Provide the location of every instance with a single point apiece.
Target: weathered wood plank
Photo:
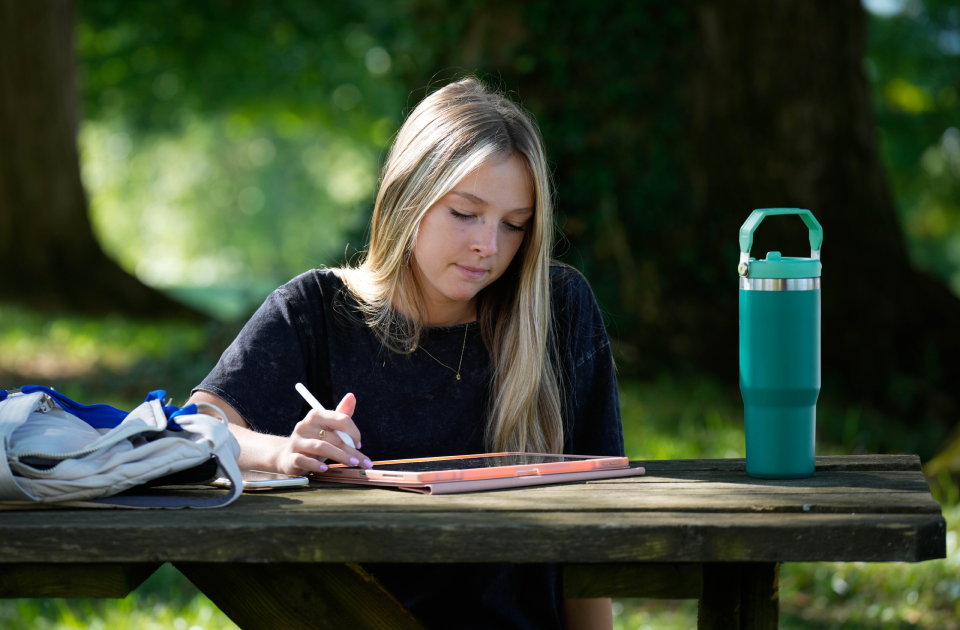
(903, 479)
(654, 580)
(719, 605)
(759, 596)
(80, 580)
(823, 463)
(299, 596)
(882, 492)
(665, 500)
(566, 537)
(647, 497)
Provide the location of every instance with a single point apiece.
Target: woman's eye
(460, 215)
(514, 228)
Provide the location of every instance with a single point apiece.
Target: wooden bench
(688, 529)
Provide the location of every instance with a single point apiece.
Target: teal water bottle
(780, 352)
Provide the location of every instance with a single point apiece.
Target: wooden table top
(855, 508)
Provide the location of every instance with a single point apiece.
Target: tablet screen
(477, 462)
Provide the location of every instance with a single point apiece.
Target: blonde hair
(451, 133)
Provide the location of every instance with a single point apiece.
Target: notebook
(490, 471)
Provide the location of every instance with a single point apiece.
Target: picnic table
(688, 529)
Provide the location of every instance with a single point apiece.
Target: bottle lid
(777, 266)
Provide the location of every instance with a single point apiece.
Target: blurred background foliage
(913, 64)
(226, 149)
(228, 146)
(232, 148)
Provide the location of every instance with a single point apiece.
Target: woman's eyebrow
(469, 197)
(480, 202)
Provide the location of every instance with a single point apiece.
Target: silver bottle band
(779, 284)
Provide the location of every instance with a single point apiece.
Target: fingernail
(354, 461)
(323, 467)
(367, 463)
(358, 444)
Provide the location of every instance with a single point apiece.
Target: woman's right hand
(306, 449)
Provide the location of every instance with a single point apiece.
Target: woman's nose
(485, 239)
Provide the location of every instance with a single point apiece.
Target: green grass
(839, 596)
(106, 360)
(119, 361)
(166, 600)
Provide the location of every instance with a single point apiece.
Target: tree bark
(48, 253)
(669, 122)
(781, 117)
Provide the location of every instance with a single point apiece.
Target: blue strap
(105, 416)
(97, 416)
(169, 410)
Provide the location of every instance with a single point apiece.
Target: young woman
(455, 335)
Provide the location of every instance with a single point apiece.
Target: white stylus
(307, 396)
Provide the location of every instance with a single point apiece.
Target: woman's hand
(313, 440)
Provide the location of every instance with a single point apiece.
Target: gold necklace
(459, 365)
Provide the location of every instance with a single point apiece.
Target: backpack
(58, 451)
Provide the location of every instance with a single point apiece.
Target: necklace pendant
(458, 377)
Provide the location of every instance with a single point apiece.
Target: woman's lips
(475, 273)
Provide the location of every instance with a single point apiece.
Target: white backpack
(58, 451)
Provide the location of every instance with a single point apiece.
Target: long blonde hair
(451, 133)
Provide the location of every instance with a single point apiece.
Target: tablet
(263, 480)
(472, 467)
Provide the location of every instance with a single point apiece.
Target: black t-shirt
(308, 331)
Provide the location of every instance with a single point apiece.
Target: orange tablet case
(585, 467)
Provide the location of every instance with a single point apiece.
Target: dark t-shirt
(412, 405)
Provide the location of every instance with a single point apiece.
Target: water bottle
(780, 352)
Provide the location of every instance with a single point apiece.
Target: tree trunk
(781, 117)
(48, 253)
(669, 122)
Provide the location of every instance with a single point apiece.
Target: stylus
(307, 396)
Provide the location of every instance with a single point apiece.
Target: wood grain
(869, 508)
(719, 605)
(759, 596)
(829, 463)
(299, 596)
(835, 492)
(580, 537)
(79, 580)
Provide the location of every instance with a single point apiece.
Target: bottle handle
(753, 221)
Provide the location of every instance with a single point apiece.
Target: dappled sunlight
(35, 346)
(877, 595)
(224, 201)
(110, 360)
(224, 152)
(675, 419)
(907, 97)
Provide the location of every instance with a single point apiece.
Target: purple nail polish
(359, 445)
(354, 461)
(367, 463)
(323, 467)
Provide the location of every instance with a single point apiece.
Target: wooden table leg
(297, 596)
(719, 607)
(740, 596)
(759, 596)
